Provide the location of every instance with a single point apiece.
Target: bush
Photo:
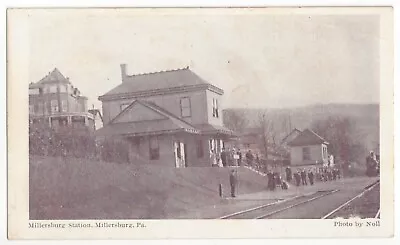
(79, 143)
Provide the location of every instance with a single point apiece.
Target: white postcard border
(18, 165)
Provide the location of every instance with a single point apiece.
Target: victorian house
(55, 103)
(173, 117)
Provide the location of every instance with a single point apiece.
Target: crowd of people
(372, 163)
(299, 178)
(302, 177)
(233, 157)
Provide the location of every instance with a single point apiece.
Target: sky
(258, 59)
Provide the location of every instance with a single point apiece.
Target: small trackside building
(173, 118)
(308, 150)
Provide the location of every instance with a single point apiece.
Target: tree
(235, 120)
(346, 142)
(267, 133)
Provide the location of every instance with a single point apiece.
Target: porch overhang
(209, 129)
(143, 129)
(161, 132)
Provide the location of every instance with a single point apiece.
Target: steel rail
(258, 207)
(296, 204)
(277, 203)
(351, 200)
(378, 214)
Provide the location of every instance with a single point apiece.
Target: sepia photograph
(201, 114)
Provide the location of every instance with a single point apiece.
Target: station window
(154, 148)
(306, 154)
(215, 110)
(185, 107)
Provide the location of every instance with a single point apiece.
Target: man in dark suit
(303, 176)
(311, 177)
(288, 174)
(233, 182)
(297, 177)
(224, 157)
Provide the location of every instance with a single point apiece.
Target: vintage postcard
(138, 123)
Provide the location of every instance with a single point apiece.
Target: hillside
(83, 189)
(365, 116)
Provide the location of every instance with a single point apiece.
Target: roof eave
(99, 132)
(152, 92)
(309, 144)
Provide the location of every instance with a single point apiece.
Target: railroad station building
(308, 150)
(171, 117)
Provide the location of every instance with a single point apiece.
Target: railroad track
(345, 204)
(378, 214)
(268, 210)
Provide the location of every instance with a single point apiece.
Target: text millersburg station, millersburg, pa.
(41, 225)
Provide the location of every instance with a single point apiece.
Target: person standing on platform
(330, 177)
(297, 177)
(258, 164)
(233, 182)
(213, 158)
(303, 176)
(240, 157)
(311, 177)
(288, 174)
(249, 158)
(224, 157)
(271, 181)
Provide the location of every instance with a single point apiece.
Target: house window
(154, 148)
(53, 89)
(185, 107)
(31, 109)
(200, 149)
(306, 154)
(64, 105)
(45, 108)
(54, 106)
(215, 111)
(123, 106)
(40, 109)
(33, 91)
(36, 108)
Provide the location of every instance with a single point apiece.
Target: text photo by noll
(214, 114)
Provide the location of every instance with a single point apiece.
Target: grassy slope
(83, 189)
